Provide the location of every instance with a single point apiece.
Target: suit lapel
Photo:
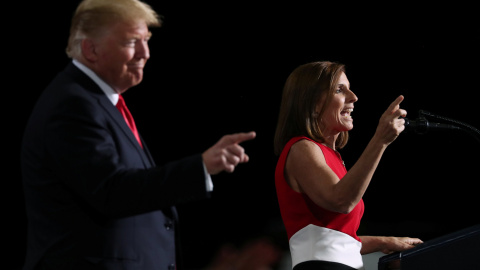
(111, 110)
(147, 152)
(120, 122)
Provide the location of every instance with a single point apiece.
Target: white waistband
(318, 243)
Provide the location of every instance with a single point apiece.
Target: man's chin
(125, 86)
(136, 78)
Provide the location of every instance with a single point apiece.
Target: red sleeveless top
(298, 210)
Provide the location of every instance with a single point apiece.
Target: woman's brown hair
(306, 87)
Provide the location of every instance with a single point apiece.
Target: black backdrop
(220, 68)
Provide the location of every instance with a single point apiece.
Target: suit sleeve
(102, 168)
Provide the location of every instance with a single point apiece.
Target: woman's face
(337, 116)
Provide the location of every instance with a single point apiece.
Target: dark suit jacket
(94, 197)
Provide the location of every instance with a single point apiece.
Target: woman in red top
(320, 202)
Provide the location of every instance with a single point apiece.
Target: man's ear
(88, 50)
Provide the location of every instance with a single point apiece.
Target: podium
(459, 250)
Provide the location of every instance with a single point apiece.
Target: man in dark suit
(94, 197)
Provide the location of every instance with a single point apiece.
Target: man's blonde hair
(92, 16)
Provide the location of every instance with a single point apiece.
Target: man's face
(122, 52)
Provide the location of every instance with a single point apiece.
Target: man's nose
(142, 50)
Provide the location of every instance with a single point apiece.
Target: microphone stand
(455, 124)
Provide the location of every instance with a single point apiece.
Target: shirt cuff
(208, 179)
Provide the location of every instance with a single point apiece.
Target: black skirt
(322, 265)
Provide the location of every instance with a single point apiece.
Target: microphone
(421, 125)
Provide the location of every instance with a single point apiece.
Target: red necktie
(122, 107)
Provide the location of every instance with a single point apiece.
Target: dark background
(220, 68)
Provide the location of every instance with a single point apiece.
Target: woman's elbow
(345, 206)
(342, 207)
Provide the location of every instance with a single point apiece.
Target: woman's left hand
(393, 244)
